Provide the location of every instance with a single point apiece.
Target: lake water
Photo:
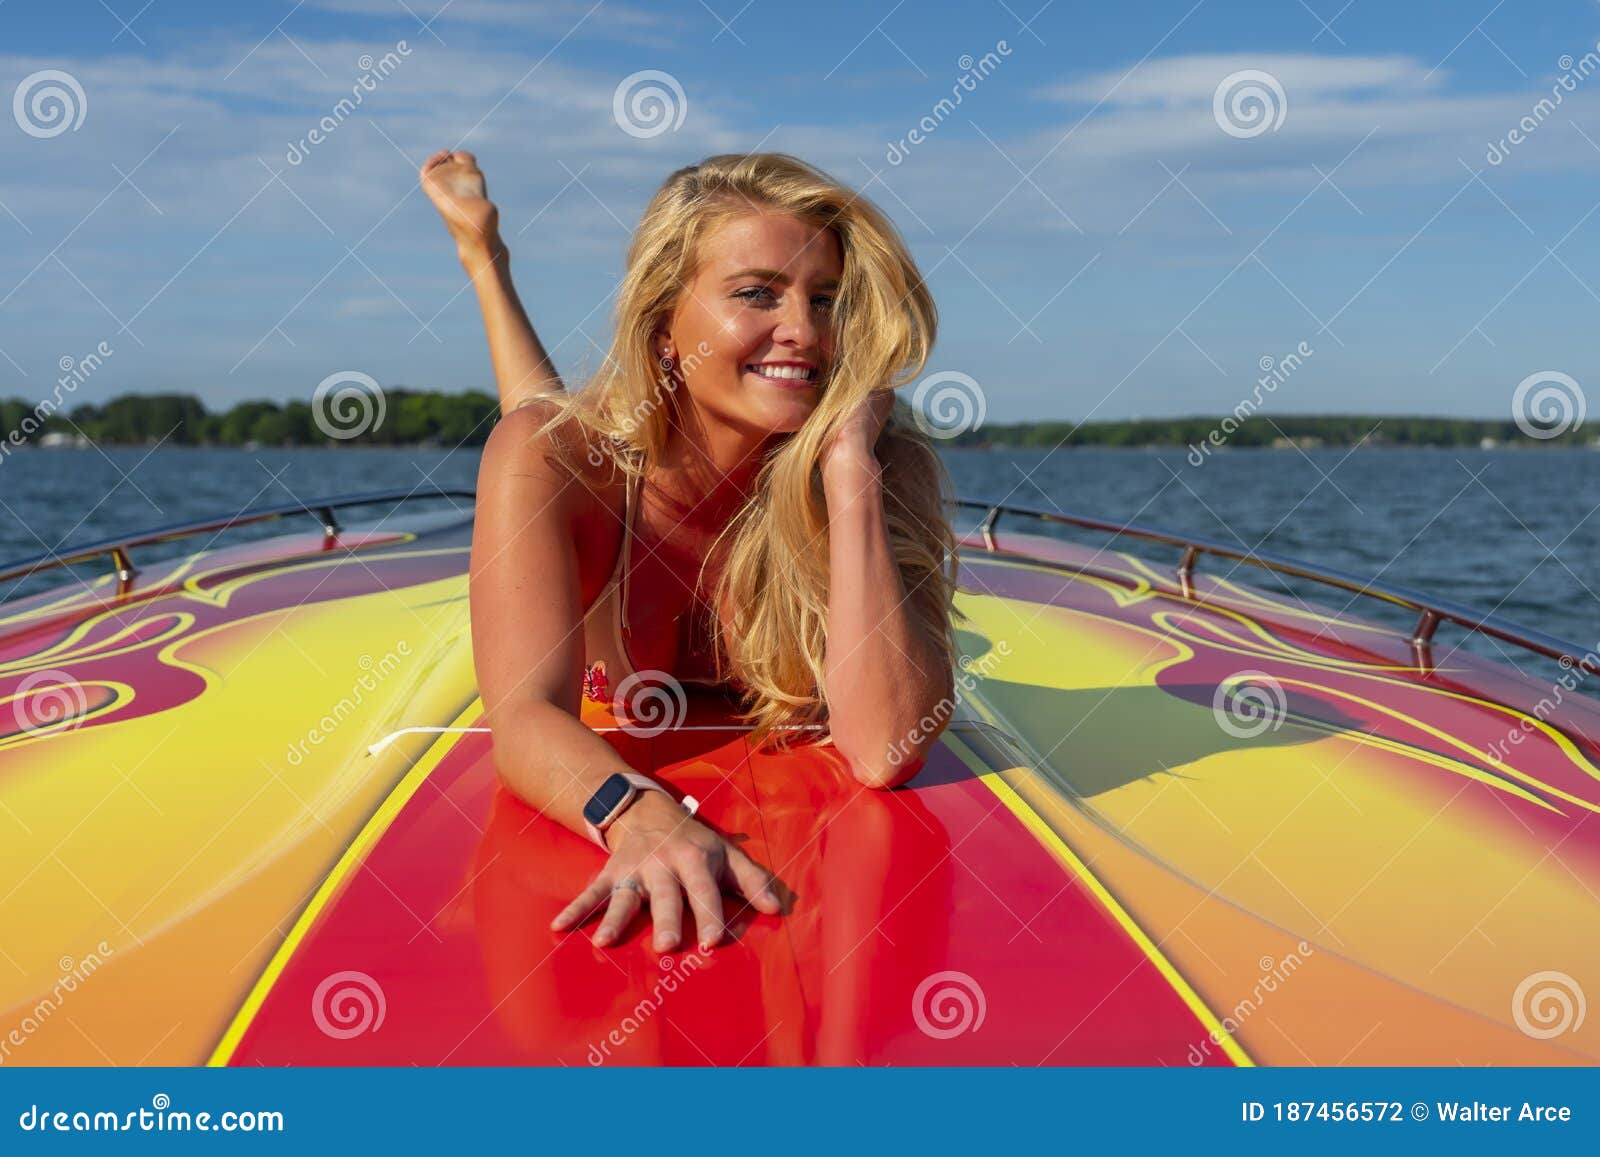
(1512, 530)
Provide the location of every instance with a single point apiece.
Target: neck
(709, 468)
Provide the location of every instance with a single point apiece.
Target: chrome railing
(1430, 611)
(119, 547)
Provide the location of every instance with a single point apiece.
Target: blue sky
(1099, 245)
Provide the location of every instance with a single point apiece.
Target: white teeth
(785, 373)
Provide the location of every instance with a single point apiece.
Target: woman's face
(752, 333)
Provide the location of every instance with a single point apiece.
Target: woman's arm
(886, 681)
(527, 638)
(458, 190)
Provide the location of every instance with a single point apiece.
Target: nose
(797, 323)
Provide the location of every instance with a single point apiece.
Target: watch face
(606, 798)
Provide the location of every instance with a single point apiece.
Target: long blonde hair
(774, 576)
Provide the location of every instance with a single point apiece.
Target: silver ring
(631, 884)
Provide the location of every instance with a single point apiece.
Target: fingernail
(667, 943)
(602, 938)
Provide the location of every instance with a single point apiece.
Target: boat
(250, 816)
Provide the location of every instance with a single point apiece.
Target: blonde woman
(732, 500)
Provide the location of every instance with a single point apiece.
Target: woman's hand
(855, 441)
(665, 855)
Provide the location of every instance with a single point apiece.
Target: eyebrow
(774, 275)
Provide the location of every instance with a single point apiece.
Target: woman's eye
(823, 300)
(754, 292)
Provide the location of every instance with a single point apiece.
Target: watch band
(637, 784)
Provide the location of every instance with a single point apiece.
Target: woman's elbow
(886, 766)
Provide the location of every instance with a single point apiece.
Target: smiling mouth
(785, 375)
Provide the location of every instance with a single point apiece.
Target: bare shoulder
(535, 452)
(537, 461)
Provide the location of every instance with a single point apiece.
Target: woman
(737, 451)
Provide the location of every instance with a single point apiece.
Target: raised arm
(526, 609)
(890, 692)
(457, 189)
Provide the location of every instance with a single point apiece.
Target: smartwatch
(611, 799)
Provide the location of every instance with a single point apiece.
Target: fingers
(753, 881)
(666, 907)
(624, 903)
(587, 904)
(705, 898)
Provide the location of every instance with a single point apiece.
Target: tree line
(410, 417)
(407, 417)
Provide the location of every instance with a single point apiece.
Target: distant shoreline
(431, 419)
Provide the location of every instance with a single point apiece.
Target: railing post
(1422, 640)
(330, 524)
(1186, 571)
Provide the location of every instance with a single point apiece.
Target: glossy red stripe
(913, 910)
